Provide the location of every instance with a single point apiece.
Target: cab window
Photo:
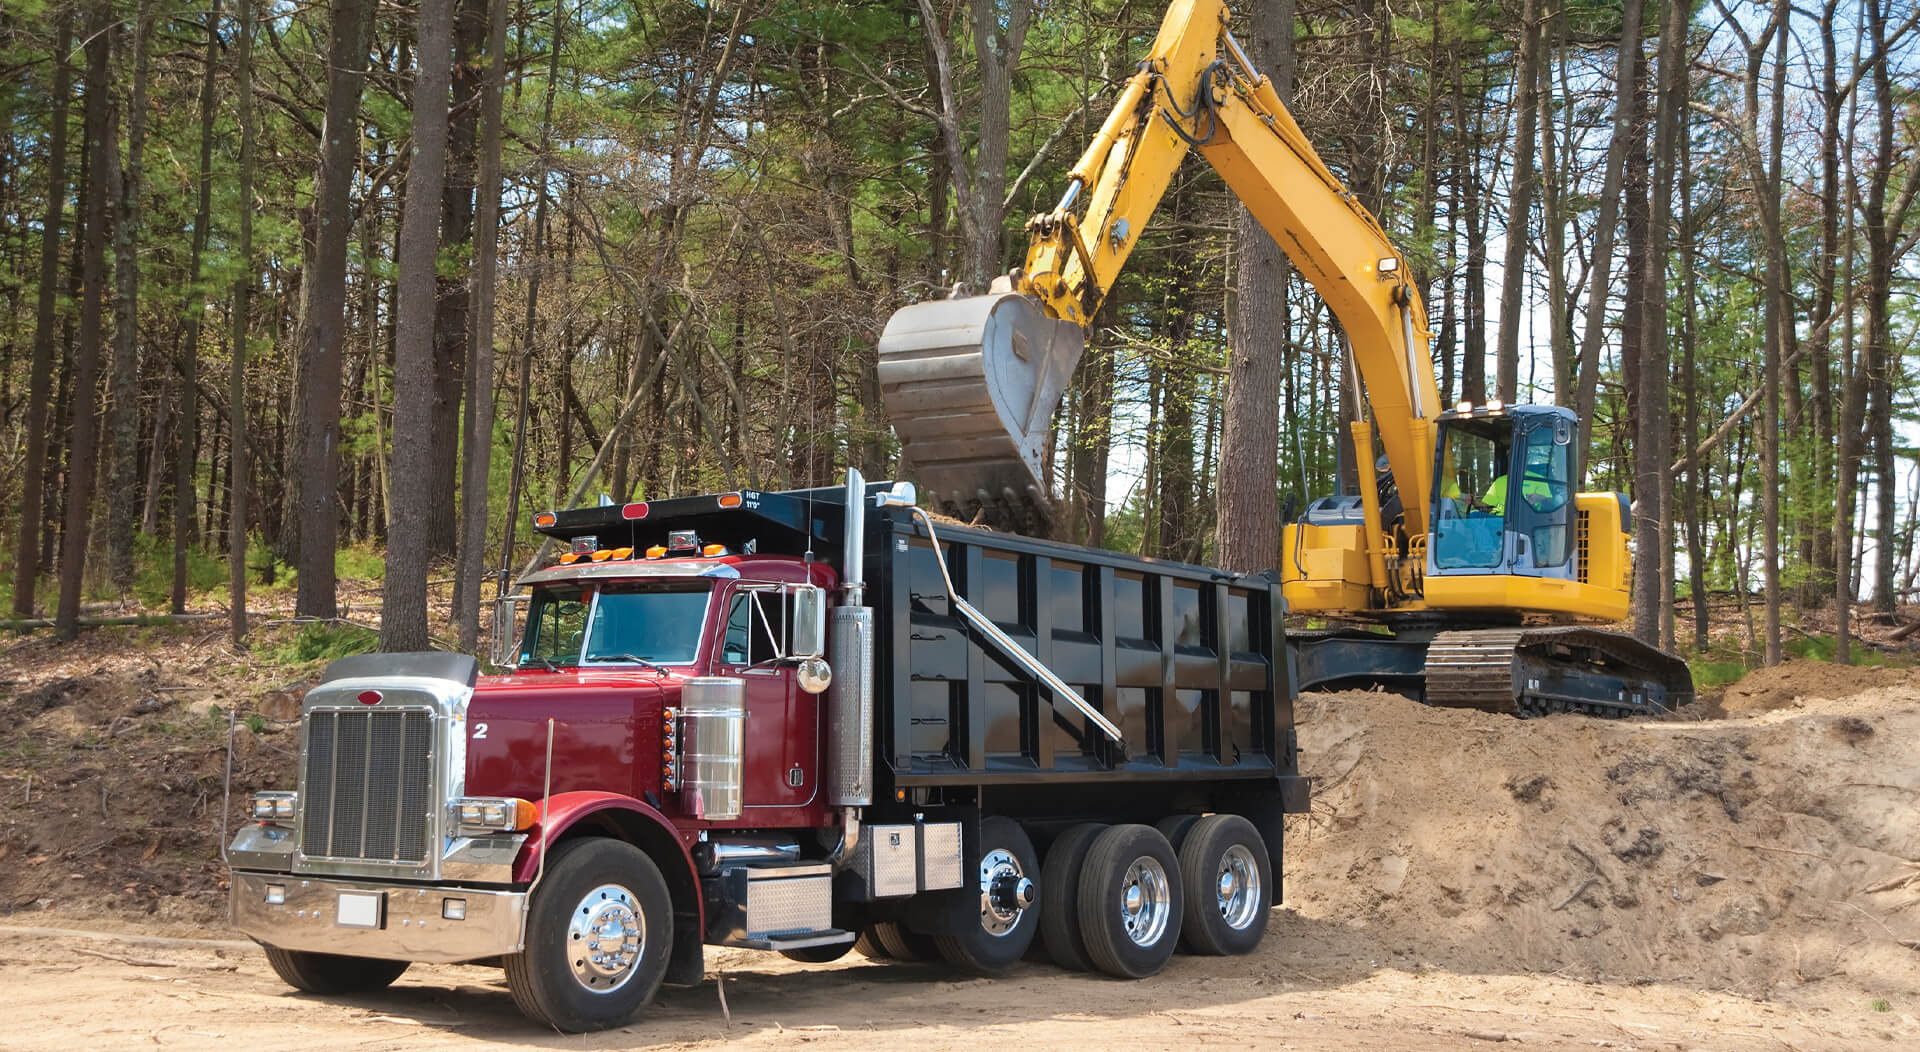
(757, 631)
(555, 627)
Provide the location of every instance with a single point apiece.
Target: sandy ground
(1743, 876)
(1312, 986)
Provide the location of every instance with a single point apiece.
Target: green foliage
(359, 562)
(153, 570)
(324, 641)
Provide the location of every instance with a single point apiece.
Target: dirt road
(1313, 986)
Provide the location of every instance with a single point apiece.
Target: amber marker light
(545, 519)
(729, 500)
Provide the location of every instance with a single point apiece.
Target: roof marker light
(658, 551)
(714, 549)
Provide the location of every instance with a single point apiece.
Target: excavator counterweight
(971, 385)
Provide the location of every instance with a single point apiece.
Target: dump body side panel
(1187, 661)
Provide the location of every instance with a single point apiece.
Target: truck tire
(1130, 901)
(596, 890)
(332, 973)
(819, 954)
(868, 945)
(1008, 911)
(1060, 897)
(1175, 827)
(902, 943)
(1228, 881)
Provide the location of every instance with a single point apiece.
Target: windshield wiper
(635, 658)
(548, 662)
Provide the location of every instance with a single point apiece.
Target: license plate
(359, 909)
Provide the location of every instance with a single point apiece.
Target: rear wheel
(1008, 912)
(903, 943)
(1130, 901)
(332, 973)
(599, 936)
(868, 945)
(1174, 828)
(1060, 896)
(1228, 883)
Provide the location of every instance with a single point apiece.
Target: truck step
(796, 941)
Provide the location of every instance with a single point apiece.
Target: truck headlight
(273, 806)
(493, 814)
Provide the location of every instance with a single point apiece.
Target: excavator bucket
(971, 385)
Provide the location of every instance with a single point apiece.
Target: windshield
(1470, 499)
(622, 625)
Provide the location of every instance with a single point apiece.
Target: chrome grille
(364, 794)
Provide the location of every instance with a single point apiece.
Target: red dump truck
(793, 721)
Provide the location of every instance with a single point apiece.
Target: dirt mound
(1782, 685)
(1757, 853)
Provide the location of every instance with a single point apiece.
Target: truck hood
(536, 681)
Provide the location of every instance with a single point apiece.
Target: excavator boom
(966, 389)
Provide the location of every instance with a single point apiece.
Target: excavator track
(1522, 671)
(1546, 670)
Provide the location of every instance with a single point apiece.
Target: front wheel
(332, 973)
(1009, 913)
(599, 937)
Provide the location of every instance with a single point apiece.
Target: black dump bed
(1181, 658)
(1188, 662)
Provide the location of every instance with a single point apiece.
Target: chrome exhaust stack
(850, 698)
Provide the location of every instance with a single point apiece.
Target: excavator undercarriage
(1521, 670)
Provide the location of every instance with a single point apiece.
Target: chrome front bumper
(400, 922)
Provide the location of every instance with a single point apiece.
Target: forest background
(292, 286)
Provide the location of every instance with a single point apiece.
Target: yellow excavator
(1465, 572)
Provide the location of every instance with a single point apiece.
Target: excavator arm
(971, 383)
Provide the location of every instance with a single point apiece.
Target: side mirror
(503, 634)
(809, 622)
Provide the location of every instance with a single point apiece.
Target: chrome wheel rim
(606, 935)
(1146, 901)
(1237, 888)
(1005, 892)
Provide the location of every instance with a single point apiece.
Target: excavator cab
(1503, 495)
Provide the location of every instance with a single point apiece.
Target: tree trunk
(1246, 527)
(1513, 284)
(100, 136)
(314, 483)
(123, 427)
(239, 470)
(403, 623)
(453, 296)
(1653, 431)
(26, 573)
(193, 304)
(479, 440)
(1599, 280)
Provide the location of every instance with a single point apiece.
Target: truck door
(783, 721)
